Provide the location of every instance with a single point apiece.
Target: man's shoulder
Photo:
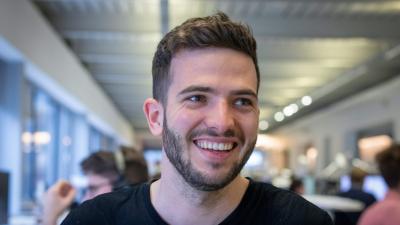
(272, 193)
(288, 205)
(377, 213)
(385, 206)
(105, 208)
(120, 195)
(276, 195)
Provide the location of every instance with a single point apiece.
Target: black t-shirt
(261, 204)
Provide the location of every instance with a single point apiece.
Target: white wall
(341, 122)
(49, 59)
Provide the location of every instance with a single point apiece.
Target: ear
(154, 113)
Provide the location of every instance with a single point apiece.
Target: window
(100, 141)
(66, 145)
(39, 139)
(46, 142)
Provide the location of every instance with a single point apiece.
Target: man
(205, 107)
(357, 176)
(386, 212)
(105, 171)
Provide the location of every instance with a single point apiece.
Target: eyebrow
(245, 92)
(195, 88)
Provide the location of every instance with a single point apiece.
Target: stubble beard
(174, 143)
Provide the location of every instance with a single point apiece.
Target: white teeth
(214, 145)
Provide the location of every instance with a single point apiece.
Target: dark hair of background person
(196, 33)
(295, 185)
(103, 163)
(389, 165)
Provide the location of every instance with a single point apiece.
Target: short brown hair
(196, 33)
(389, 165)
(103, 163)
(357, 175)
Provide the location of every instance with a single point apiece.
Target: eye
(243, 102)
(197, 98)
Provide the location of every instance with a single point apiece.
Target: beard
(173, 144)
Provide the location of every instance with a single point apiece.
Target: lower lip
(216, 155)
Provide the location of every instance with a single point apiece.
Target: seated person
(386, 212)
(357, 177)
(105, 171)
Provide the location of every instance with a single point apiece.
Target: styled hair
(389, 165)
(104, 163)
(197, 33)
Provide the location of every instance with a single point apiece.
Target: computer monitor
(374, 184)
(4, 178)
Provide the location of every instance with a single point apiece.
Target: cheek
(249, 126)
(184, 120)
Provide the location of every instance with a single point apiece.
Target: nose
(220, 117)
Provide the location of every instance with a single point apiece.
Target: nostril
(219, 124)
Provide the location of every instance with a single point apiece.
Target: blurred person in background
(105, 171)
(297, 186)
(387, 211)
(357, 176)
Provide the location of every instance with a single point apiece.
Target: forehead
(213, 66)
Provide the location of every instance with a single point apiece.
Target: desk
(334, 203)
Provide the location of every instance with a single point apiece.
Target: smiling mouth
(215, 146)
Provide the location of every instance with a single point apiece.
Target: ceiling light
(294, 107)
(279, 116)
(288, 111)
(306, 100)
(263, 125)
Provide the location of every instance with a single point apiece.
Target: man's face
(211, 118)
(97, 185)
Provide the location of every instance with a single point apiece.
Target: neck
(211, 207)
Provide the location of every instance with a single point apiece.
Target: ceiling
(327, 49)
